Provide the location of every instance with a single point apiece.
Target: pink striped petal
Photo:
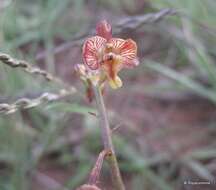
(127, 49)
(90, 52)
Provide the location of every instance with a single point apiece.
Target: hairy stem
(107, 141)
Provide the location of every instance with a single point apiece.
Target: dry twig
(15, 63)
(26, 103)
(137, 21)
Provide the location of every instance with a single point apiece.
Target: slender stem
(107, 141)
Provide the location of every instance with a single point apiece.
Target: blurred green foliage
(193, 33)
(26, 137)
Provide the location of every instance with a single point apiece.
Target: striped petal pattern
(105, 56)
(91, 48)
(127, 49)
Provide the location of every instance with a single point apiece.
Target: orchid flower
(104, 56)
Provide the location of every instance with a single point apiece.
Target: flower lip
(108, 57)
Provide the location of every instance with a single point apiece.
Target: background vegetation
(166, 109)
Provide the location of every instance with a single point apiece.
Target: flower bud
(104, 30)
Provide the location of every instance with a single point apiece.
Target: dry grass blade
(15, 63)
(136, 21)
(25, 103)
(8, 60)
